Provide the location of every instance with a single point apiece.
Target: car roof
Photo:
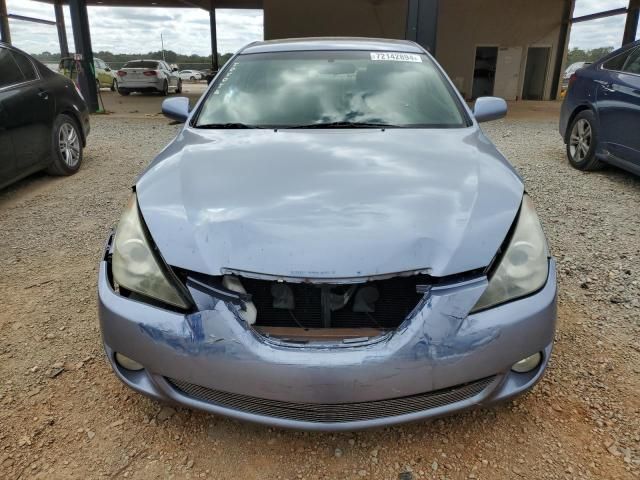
(332, 43)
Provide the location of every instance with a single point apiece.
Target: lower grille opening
(333, 413)
(303, 311)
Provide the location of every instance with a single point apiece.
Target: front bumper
(211, 360)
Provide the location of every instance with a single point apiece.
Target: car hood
(329, 204)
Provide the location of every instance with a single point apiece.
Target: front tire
(179, 87)
(165, 89)
(582, 142)
(66, 146)
(114, 85)
(193, 79)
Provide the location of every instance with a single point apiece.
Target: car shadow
(24, 186)
(618, 175)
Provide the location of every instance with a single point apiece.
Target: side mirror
(176, 109)
(107, 69)
(489, 108)
(174, 69)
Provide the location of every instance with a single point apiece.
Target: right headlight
(137, 267)
(524, 267)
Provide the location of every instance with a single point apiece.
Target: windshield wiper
(345, 124)
(226, 125)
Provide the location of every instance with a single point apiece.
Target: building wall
(465, 24)
(312, 18)
(462, 25)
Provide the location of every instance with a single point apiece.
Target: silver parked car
(191, 75)
(148, 76)
(330, 243)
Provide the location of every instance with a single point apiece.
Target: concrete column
(5, 35)
(82, 40)
(561, 48)
(214, 36)
(62, 32)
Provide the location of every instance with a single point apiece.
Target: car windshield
(333, 89)
(140, 64)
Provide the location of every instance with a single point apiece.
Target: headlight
(524, 267)
(136, 266)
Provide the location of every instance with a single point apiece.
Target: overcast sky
(186, 30)
(137, 30)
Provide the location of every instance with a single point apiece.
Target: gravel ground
(64, 415)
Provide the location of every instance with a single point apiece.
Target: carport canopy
(82, 34)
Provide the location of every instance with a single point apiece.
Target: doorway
(484, 72)
(535, 75)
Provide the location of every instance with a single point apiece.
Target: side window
(632, 65)
(616, 63)
(25, 66)
(10, 74)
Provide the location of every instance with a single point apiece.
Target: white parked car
(148, 76)
(191, 75)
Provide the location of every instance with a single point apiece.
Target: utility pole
(162, 42)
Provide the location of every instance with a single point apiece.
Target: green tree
(579, 55)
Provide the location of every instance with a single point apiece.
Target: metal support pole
(62, 32)
(631, 25)
(82, 40)
(561, 48)
(5, 34)
(214, 37)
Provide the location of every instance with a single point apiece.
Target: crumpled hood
(329, 203)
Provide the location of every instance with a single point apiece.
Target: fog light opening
(527, 364)
(127, 363)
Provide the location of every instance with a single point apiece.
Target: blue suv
(600, 116)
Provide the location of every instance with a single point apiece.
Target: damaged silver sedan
(329, 243)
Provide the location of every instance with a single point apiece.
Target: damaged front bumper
(437, 362)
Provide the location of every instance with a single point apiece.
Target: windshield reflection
(288, 89)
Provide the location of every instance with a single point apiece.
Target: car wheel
(193, 79)
(114, 85)
(66, 146)
(165, 89)
(582, 142)
(179, 87)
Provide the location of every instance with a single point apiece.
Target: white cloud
(604, 32)
(137, 30)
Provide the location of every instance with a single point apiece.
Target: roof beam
(595, 16)
(30, 19)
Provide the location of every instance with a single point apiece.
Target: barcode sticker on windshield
(395, 57)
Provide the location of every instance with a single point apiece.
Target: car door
(10, 76)
(618, 101)
(30, 108)
(172, 76)
(165, 72)
(101, 75)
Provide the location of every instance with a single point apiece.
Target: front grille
(397, 299)
(333, 413)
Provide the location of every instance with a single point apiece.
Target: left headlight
(136, 266)
(524, 267)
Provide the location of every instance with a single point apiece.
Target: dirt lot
(64, 415)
